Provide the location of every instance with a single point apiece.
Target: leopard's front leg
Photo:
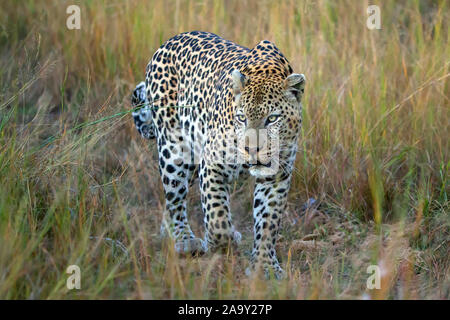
(270, 198)
(215, 196)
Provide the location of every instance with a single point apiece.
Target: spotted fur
(198, 89)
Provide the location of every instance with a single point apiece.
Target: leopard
(221, 112)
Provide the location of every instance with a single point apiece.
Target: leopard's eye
(241, 118)
(272, 118)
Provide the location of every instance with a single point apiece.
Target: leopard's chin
(261, 171)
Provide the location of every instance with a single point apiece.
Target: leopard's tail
(142, 114)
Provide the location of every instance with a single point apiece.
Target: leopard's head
(267, 120)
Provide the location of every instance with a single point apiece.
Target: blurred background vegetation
(79, 186)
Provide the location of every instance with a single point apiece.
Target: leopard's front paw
(278, 273)
(269, 272)
(220, 241)
(193, 246)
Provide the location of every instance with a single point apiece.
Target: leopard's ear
(295, 86)
(239, 81)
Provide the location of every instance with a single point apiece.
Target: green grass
(79, 186)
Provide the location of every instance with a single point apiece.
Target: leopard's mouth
(263, 169)
(260, 164)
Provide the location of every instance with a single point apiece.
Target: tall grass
(79, 186)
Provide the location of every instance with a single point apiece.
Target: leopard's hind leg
(175, 166)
